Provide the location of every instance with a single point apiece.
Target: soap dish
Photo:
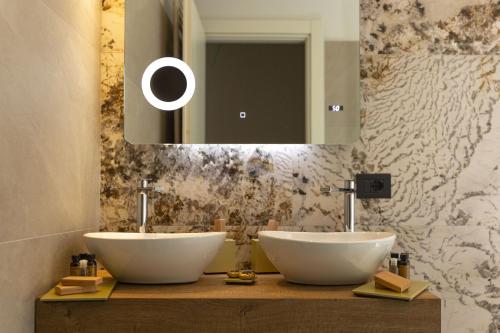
(238, 281)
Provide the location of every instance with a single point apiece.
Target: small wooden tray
(369, 289)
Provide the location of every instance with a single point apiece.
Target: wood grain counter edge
(272, 305)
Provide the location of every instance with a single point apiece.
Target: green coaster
(103, 292)
(369, 289)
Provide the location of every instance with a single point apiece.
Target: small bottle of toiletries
(404, 265)
(74, 267)
(393, 266)
(82, 256)
(84, 267)
(394, 255)
(92, 265)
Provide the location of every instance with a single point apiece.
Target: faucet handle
(144, 185)
(327, 189)
(331, 189)
(348, 187)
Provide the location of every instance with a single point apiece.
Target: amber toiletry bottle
(404, 265)
(92, 265)
(74, 267)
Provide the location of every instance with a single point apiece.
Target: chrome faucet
(144, 188)
(349, 191)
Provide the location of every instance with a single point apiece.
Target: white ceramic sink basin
(155, 258)
(329, 258)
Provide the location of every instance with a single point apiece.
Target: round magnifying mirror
(168, 84)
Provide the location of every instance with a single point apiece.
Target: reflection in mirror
(256, 93)
(267, 71)
(152, 31)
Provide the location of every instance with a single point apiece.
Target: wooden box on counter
(272, 305)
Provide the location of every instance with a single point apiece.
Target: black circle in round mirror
(168, 84)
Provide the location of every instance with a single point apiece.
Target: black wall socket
(373, 186)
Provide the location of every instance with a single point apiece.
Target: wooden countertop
(271, 305)
(268, 287)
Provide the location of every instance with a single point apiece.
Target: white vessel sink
(329, 258)
(155, 258)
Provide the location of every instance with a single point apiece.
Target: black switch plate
(373, 186)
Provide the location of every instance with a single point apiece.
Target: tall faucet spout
(142, 205)
(349, 191)
(144, 188)
(142, 211)
(349, 202)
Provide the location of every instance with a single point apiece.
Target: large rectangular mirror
(265, 71)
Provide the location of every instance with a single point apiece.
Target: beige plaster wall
(49, 145)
